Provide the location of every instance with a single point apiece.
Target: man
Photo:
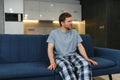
(62, 45)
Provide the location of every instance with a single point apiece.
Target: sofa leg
(110, 76)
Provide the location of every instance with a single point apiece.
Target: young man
(62, 45)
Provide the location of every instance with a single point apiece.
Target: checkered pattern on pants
(74, 67)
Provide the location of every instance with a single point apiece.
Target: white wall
(1, 16)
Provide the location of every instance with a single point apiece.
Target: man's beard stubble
(69, 28)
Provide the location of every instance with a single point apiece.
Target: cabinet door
(76, 12)
(47, 11)
(74, 9)
(11, 28)
(13, 6)
(31, 9)
(50, 10)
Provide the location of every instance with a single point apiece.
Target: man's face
(67, 23)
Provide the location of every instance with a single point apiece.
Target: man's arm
(51, 56)
(83, 53)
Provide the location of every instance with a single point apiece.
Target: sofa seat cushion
(102, 63)
(14, 70)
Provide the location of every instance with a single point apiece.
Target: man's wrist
(87, 59)
(52, 62)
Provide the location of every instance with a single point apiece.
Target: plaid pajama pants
(74, 67)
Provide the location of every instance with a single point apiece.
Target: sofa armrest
(111, 54)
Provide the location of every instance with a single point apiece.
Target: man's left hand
(92, 61)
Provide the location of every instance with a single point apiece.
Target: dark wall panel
(102, 21)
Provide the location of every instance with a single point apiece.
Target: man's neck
(63, 29)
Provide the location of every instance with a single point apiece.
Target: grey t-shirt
(65, 42)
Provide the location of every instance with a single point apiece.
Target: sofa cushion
(20, 70)
(102, 63)
(88, 44)
(22, 48)
(32, 48)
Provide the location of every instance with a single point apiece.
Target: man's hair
(63, 16)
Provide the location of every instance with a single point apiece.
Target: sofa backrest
(88, 44)
(22, 48)
(31, 48)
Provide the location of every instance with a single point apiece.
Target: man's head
(65, 20)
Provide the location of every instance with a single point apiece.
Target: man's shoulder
(54, 31)
(74, 31)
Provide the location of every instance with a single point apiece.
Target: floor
(115, 77)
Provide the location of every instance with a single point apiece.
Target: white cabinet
(37, 10)
(76, 12)
(31, 9)
(13, 6)
(14, 28)
(47, 11)
(73, 9)
(60, 8)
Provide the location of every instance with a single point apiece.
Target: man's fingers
(53, 66)
(50, 68)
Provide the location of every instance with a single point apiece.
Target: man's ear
(62, 23)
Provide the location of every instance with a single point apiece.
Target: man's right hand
(52, 66)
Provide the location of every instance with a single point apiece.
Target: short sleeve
(79, 39)
(51, 38)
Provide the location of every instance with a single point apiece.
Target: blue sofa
(24, 57)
